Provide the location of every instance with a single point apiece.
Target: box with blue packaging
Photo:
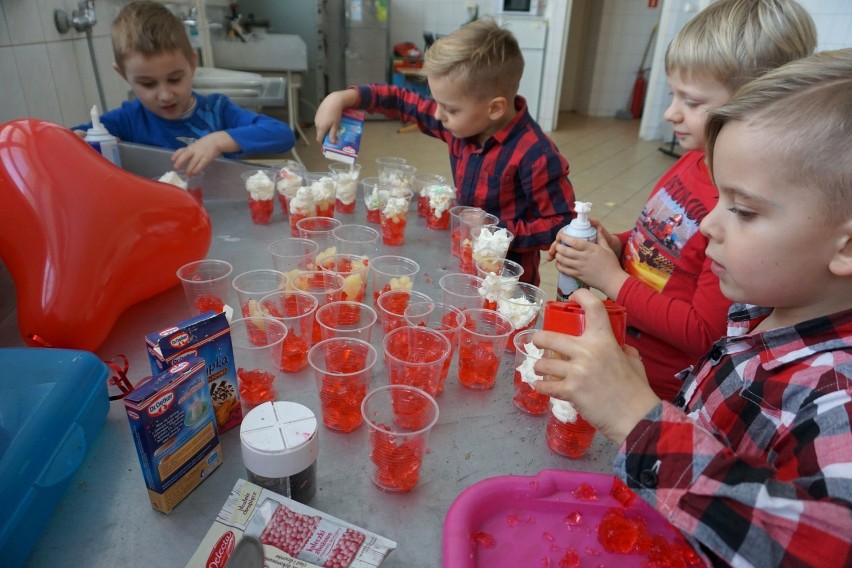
(348, 138)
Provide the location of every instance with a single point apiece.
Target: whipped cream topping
(396, 179)
(173, 178)
(490, 244)
(376, 200)
(531, 355)
(563, 410)
(520, 311)
(323, 189)
(395, 207)
(288, 181)
(495, 287)
(303, 202)
(260, 186)
(441, 198)
(347, 187)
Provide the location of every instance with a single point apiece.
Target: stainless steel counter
(105, 519)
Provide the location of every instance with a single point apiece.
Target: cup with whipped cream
(346, 178)
(301, 206)
(469, 219)
(499, 279)
(375, 196)
(490, 244)
(192, 184)
(324, 189)
(399, 177)
(394, 218)
(527, 399)
(522, 306)
(289, 178)
(260, 185)
(440, 198)
(421, 181)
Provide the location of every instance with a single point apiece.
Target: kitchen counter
(105, 519)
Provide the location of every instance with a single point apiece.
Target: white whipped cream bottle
(101, 140)
(579, 228)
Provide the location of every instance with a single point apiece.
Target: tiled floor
(610, 165)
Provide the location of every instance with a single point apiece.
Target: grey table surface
(105, 519)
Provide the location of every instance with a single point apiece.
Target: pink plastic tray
(516, 520)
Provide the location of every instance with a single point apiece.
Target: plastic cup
(292, 255)
(324, 286)
(375, 196)
(415, 356)
(257, 345)
(356, 239)
(440, 198)
(346, 319)
(394, 218)
(205, 285)
(354, 270)
(194, 185)
(400, 418)
(420, 183)
(391, 272)
(462, 290)
(481, 343)
(346, 178)
(526, 398)
(324, 189)
(295, 309)
(455, 226)
(522, 307)
(485, 255)
(319, 230)
(499, 279)
(300, 205)
(288, 179)
(399, 177)
(253, 285)
(443, 318)
(388, 162)
(343, 368)
(468, 220)
(260, 187)
(391, 307)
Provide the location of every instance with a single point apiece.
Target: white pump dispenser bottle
(579, 228)
(101, 140)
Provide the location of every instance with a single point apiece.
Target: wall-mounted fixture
(83, 18)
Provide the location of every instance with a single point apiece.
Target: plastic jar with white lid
(280, 444)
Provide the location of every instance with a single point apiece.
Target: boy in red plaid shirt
(502, 161)
(753, 461)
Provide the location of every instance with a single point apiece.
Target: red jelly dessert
(439, 223)
(527, 399)
(393, 232)
(374, 216)
(397, 464)
(294, 353)
(340, 402)
(256, 386)
(617, 533)
(477, 365)
(423, 205)
(455, 239)
(344, 207)
(208, 303)
(569, 439)
(261, 211)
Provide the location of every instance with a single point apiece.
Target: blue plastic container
(53, 403)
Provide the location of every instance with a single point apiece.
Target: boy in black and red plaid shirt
(753, 460)
(501, 160)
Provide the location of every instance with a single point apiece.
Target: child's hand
(613, 241)
(327, 119)
(595, 264)
(606, 384)
(195, 157)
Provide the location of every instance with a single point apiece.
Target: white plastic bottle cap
(279, 439)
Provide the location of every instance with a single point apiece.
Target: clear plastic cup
(375, 197)
(347, 319)
(260, 189)
(469, 219)
(288, 179)
(206, 285)
(195, 186)
(399, 178)
(568, 438)
(257, 345)
(300, 206)
(354, 270)
(440, 198)
(455, 226)
(343, 369)
(391, 307)
(388, 162)
(320, 230)
(391, 272)
(394, 218)
(356, 239)
(253, 285)
(499, 279)
(462, 290)
(420, 183)
(292, 255)
(481, 344)
(415, 356)
(490, 244)
(400, 418)
(295, 309)
(443, 318)
(324, 189)
(522, 307)
(324, 286)
(346, 177)
(526, 398)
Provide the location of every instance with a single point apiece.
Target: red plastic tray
(516, 520)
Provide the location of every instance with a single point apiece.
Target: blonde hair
(805, 110)
(734, 41)
(148, 28)
(484, 56)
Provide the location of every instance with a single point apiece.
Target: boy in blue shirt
(153, 54)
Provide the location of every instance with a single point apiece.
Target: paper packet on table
(348, 138)
(293, 535)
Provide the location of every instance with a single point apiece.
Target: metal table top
(105, 519)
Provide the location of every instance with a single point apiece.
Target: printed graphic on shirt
(664, 226)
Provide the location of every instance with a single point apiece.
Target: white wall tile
(11, 92)
(4, 29)
(37, 82)
(23, 20)
(66, 77)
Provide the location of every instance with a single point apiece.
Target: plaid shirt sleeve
(406, 105)
(760, 470)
